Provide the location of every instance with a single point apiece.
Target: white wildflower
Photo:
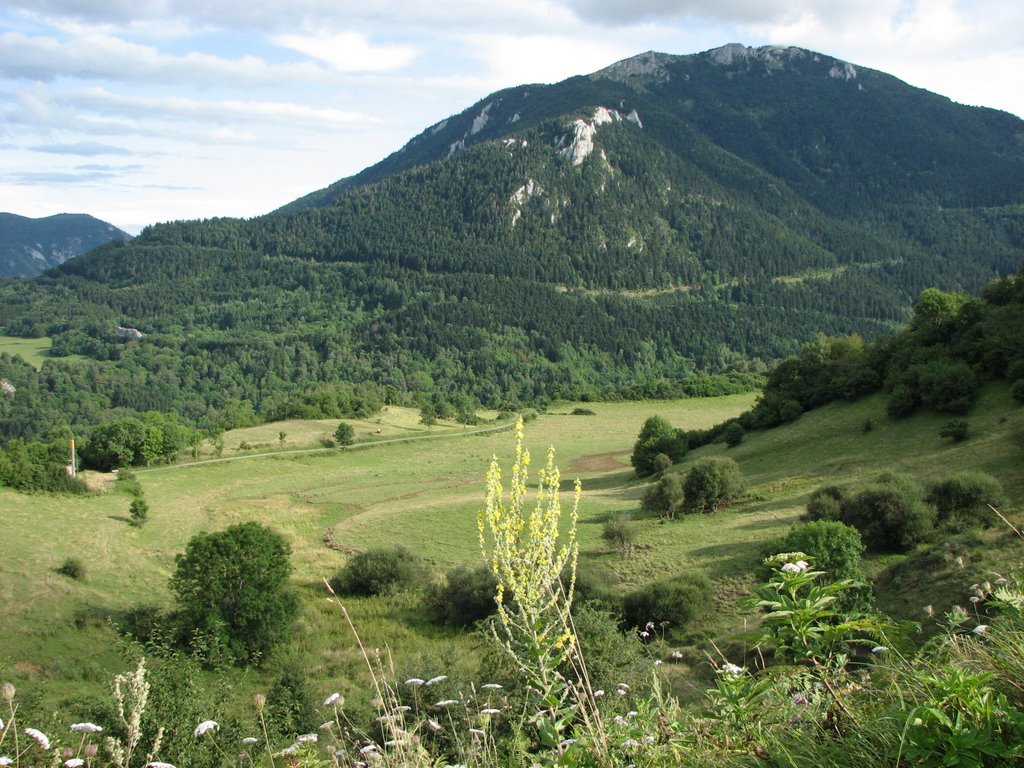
(446, 702)
(158, 764)
(74, 762)
(86, 728)
(250, 740)
(306, 738)
(414, 681)
(5, 760)
(879, 649)
(477, 732)
(368, 749)
(798, 567)
(331, 699)
(205, 727)
(435, 680)
(490, 687)
(732, 669)
(980, 629)
(490, 711)
(39, 737)
(433, 725)
(599, 693)
(566, 743)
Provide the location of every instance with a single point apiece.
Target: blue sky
(139, 111)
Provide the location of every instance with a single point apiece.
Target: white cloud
(349, 51)
(541, 58)
(95, 56)
(84, 148)
(204, 110)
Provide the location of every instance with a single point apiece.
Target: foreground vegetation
(811, 685)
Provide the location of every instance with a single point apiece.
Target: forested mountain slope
(28, 246)
(602, 236)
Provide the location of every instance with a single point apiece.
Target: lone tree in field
(344, 434)
(712, 483)
(656, 437)
(234, 604)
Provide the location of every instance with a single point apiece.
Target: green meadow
(33, 351)
(424, 494)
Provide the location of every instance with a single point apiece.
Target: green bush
(73, 568)
(662, 462)
(138, 511)
(620, 533)
(344, 434)
(734, 434)
(665, 497)
(825, 504)
(712, 483)
(462, 597)
(656, 436)
(837, 549)
(668, 605)
(379, 571)
(891, 517)
(231, 587)
(595, 583)
(956, 430)
(1017, 390)
(963, 500)
(583, 412)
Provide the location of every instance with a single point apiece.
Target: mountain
(605, 236)
(29, 246)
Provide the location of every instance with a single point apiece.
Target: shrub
(378, 571)
(656, 436)
(734, 434)
(583, 412)
(665, 497)
(662, 462)
(596, 583)
(289, 703)
(669, 605)
(620, 533)
(947, 386)
(344, 434)
(836, 549)
(891, 517)
(963, 500)
(138, 511)
(232, 593)
(825, 504)
(73, 568)
(462, 597)
(956, 430)
(712, 483)
(1017, 390)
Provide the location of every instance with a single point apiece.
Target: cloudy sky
(139, 111)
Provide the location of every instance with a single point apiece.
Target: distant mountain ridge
(605, 236)
(30, 246)
(711, 91)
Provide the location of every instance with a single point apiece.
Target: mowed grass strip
(33, 351)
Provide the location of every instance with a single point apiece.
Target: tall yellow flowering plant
(525, 554)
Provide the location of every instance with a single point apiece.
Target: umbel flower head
(205, 727)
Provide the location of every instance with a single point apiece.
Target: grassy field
(33, 351)
(425, 494)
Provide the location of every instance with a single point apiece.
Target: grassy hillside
(425, 495)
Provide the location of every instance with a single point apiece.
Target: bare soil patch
(600, 462)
